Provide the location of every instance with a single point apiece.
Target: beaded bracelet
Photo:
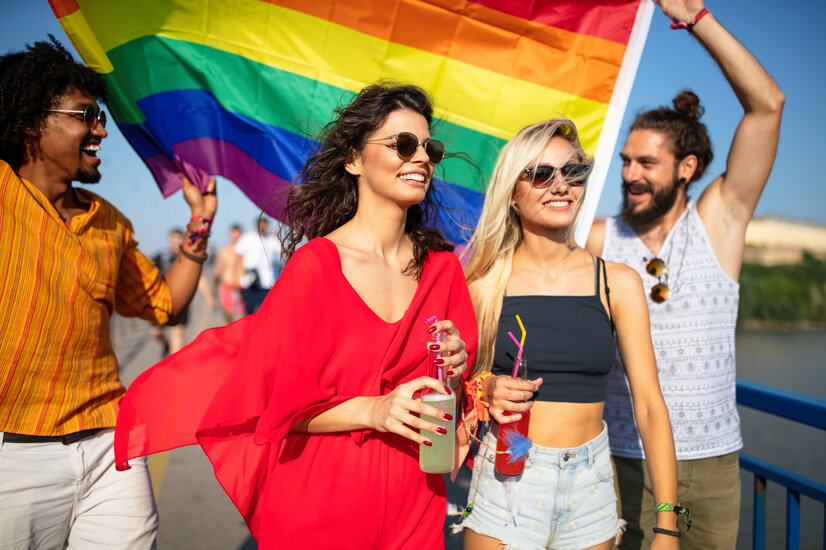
(200, 233)
(677, 509)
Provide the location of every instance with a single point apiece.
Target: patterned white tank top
(693, 336)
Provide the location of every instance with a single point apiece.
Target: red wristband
(697, 18)
(677, 24)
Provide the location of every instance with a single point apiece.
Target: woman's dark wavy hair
(31, 82)
(326, 195)
(688, 136)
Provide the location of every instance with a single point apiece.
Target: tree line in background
(783, 294)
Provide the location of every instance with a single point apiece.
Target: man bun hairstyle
(31, 82)
(687, 135)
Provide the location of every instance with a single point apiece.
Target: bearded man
(689, 254)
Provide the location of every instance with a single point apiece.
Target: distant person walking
(227, 274)
(260, 252)
(689, 255)
(164, 260)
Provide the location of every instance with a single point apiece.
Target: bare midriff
(564, 425)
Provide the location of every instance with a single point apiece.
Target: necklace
(658, 267)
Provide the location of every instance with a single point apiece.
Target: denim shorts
(566, 498)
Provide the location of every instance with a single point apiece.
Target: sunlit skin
(385, 180)
(546, 215)
(648, 169)
(388, 185)
(68, 146)
(64, 150)
(549, 212)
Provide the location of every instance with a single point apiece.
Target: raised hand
(682, 10)
(203, 204)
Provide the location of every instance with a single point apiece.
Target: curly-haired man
(68, 260)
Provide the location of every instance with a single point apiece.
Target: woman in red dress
(306, 408)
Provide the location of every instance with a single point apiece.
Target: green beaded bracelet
(677, 509)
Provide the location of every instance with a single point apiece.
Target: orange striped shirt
(59, 286)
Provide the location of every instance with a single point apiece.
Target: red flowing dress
(314, 344)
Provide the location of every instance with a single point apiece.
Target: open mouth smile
(417, 179)
(90, 149)
(557, 204)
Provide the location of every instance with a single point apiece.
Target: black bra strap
(608, 297)
(596, 275)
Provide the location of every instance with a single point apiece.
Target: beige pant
(709, 487)
(70, 497)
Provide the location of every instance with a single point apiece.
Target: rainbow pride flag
(238, 88)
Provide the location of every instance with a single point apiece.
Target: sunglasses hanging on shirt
(656, 267)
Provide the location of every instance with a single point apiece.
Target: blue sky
(786, 37)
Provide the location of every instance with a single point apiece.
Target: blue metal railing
(794, 406)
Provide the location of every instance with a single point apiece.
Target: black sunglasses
(542, 176)
(407, 143)
(91, 116)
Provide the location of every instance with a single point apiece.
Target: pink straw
(434, 319)
(518, 355)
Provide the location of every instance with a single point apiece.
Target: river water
(791, 361)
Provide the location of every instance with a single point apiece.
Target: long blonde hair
(499, 230)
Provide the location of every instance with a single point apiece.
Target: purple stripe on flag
(211, 156)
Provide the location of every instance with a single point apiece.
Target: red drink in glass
(504, 465)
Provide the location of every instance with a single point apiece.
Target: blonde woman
(566, 496)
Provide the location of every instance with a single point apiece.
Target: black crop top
(570, 343)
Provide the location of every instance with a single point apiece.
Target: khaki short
(709, 487)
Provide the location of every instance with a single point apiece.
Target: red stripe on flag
(607, 19)
(62, 8)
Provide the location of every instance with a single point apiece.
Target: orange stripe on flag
(581, 65)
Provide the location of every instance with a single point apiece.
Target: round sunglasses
(656, 267)
(91, 116)
(542, 176)
(406, 144)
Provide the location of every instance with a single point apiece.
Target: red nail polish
(450, 373)
(440, 430)
(428, 443)
(448, 416)
(431, 330)
(434, 347)
(439, 361)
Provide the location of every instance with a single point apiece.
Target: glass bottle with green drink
(438, 458)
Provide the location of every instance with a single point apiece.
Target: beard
(662, 202)
(87, 176)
